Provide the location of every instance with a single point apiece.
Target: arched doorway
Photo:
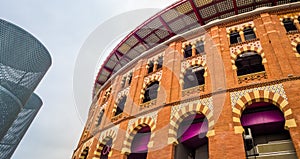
(139, 145)
(264, 131)
(193, 143)
(106, 149)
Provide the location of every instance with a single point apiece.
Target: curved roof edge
(28, 34)
(176, 19)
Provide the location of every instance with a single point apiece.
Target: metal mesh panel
(9, 109)
(23, 60)
(23, 63)
(20, 125)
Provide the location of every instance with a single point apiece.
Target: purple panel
(264, 117)
(194, 130)
(140, 142)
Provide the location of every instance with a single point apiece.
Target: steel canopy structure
(23, 63)
(178, 18)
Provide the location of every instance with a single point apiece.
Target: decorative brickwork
(134, 125)
(277, 88)
(105, 136)
(199, 60)
(258, 32)
(192, 42)
(184, 110)
(262, 96)
(295, 40)
(254, 46)
(156, 76)
(240, 27)
(121, 94)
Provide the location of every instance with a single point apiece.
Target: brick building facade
(221, 78)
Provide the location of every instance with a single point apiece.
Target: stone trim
(148, 80)
(186, 110)
(250, 46)
(196, 61)
(261, 96)
(134, 125)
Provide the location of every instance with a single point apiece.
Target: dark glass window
(120, 106)
(249, 62)
(159, 62)
(298, 48)
(123, 82)
(289, 25)
(235, 37)
(150, 67)
(100, 117)
(199, 47)
(106, 149)
(249, 34)
(193, 77)
(188, 51)
(130, 78)
(151, 91)
(139, 145)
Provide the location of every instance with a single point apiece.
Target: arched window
(188, 51)
(151, 91)
(191, 134)
(298, 48)
(289, 25)
(249, 62)
(249, 34)
(264, 131)
(160, 62)
(150, 66)
(129, 78)
(199, 47)
(235, 37)
(139, 145)
(106, 149)
(193, 77)
(100, 117)
(120, 106)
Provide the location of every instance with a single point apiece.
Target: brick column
(118, 144)
(161, 149)
(241, 32)
(297, 24)
(193, 49)
(170, 89)
(292, 92)
(135, 88)
(272, 36)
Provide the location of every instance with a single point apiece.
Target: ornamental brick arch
(261, 96)
(133, 130)
(294, 43)
(117, 102)
(147, 83)
(191, 63)
(84, 153)
(103, 139)
(100, 146)
(247, 48)
(187, 110)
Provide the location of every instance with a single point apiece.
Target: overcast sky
(62, 26)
